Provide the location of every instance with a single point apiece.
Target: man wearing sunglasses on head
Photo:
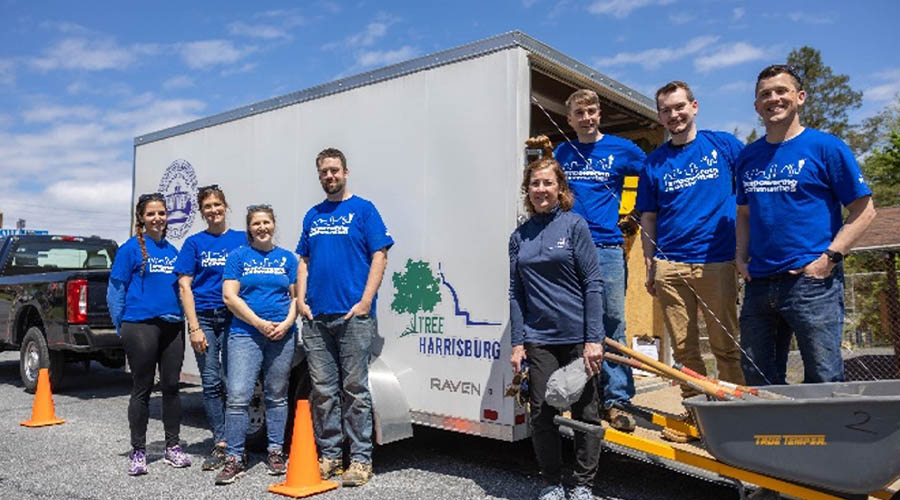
(791, 240)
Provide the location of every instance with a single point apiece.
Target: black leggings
(147, 344)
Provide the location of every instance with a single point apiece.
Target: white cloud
(886, 91)
(178, 82)
(809, 18)
(621, 9)
(264, 31)
(729, 55)
(373, 32)
(289, 18)
(150, 114)
(5, 120)
(206, 53)
(67, 27)
(681, 18)
(737, 13)
(55, 114)
(242, 69)
(653, 58)
(105, 192)
(92, 55)
(385, 57)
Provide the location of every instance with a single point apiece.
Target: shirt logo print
(161, 265)
(559, 244)
(677, 179)
(596, 169)
(265, 266)
(213, 258)
(331, 225)
(774, 178)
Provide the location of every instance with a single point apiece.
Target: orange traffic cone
(303, 477)
(42, 411)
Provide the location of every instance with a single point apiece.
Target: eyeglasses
(261, 206)
(151, 196)
(211, 187)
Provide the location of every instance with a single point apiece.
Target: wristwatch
(834, 257)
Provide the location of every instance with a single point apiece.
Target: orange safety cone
(303, 477)
(42, 411)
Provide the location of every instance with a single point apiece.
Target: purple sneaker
(138, 465)
(176, 458)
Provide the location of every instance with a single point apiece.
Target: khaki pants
(716, 286)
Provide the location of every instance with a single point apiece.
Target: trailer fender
(390, 409)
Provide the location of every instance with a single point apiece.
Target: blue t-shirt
(155, 293)
(795, 190)
(597, 185)
(339, 239)
(266, 279)
(691, 189)
(203, 257)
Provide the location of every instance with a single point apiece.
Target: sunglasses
(151, 196)
(261, 206)
(211, 187)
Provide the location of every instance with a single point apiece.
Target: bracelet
(192, 330)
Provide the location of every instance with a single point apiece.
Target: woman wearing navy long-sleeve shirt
(556, 313)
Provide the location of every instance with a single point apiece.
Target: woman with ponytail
(556, 316)
(143, 303)
(199, 267)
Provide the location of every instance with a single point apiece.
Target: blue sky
(79, 80)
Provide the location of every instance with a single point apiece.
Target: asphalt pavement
(86, 457)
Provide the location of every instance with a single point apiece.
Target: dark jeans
(543, 360)
(212, 363)
(149, 344)
(778, 306)
(338, 352)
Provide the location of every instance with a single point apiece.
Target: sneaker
(357, 474)
(330, 467)
(138, 466)
(677, 436)
(275, 463)
(215, 459)
(552, 492)
(176, 458)
(230, 472)
(581, 493)
(620, 420)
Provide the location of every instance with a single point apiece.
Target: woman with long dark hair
(143, 304)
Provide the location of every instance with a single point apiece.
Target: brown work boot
(619, 420)
(330, 467)
(357, 474)
(677, 436)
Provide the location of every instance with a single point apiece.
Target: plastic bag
(566, 384)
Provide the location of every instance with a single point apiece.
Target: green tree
(417, 291)
(882, 171)
(829, 97)
(751, 137)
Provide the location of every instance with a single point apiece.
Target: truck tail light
(76, 301)
(490, 414)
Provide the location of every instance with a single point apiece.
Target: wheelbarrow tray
(842, 436)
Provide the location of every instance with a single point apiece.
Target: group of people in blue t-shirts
(711, 211)
(240, 296)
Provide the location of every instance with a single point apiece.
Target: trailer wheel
(35, 355)
(256, 439)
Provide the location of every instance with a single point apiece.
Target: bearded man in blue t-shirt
(595, 166)
(343, 252)
(790, 237)
(686, 199)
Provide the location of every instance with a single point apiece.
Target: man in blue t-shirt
(790, 237)
(343, 252)
(595, 166)
(686, 199)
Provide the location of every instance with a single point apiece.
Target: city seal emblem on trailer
(179, 185)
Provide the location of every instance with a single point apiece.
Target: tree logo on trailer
(179, 184)
(418, 290)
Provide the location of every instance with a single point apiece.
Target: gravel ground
(85, 458)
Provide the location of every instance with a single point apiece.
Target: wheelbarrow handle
(760, 393)
(580, 426)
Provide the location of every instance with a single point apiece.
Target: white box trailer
(437, 143)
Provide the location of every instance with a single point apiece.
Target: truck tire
(35, 355)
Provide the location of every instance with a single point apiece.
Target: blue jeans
(618, 382)
(778, 306)
(338, 353)
(215, 324)
(246, 355)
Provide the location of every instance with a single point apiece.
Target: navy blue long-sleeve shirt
(555, 288)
